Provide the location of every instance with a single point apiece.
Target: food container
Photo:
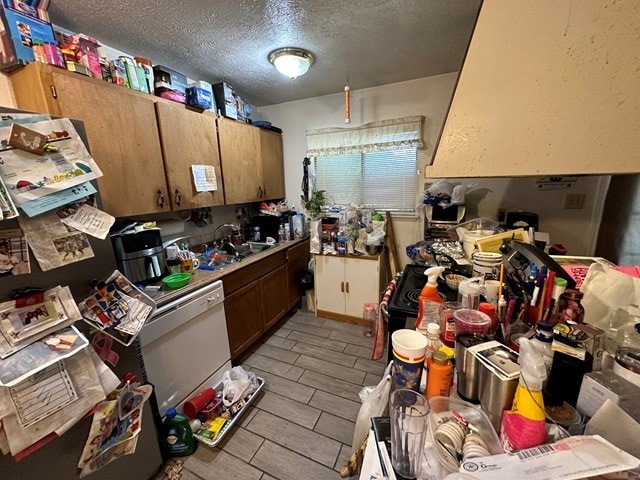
(471, 321)
(441, 412)
(453, 280)
(176, 280)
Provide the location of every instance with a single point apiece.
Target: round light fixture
(291, 62)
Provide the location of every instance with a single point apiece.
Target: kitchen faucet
(222, 227)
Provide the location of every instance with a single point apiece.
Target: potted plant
(314, 204)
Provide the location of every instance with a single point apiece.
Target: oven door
(186, 348)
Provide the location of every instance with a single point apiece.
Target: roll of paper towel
(169, 228)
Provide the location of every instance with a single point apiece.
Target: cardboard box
(18, 33)
(34, 8)
(167, 79)
(225, 96)
(597, 387)
(580, 341)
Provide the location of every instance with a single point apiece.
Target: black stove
(405, 299)
(404, 302)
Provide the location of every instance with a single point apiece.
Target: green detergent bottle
(178, 435)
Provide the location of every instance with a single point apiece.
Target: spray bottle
(429, 301)
(524, 426)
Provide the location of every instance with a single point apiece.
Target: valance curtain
(370, 137)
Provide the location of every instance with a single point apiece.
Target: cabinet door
(272, 164)
(240, 158)
(362, 284)
(188, 138)
(244, 318)
(275, 300)
(123, 139)
(329, 284)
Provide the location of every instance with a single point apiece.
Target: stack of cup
(409, 349)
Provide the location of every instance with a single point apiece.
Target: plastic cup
(194, 405)
(408, 412)
(409, 348)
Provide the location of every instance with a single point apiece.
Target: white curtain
(370, 137)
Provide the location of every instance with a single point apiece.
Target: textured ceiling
(370, 42)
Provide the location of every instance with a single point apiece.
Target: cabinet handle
(259, 192)
(178, 198)
(160, 199)
(54, 93)
(347, 287)
(342, 287)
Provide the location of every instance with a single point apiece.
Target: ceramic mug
(188, 265)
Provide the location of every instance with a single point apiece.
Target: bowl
(453, 280)
(176, 280)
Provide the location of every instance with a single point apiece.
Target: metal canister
(467, 367)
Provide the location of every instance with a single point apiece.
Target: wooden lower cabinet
(256, 297)
(244, 318)
(274, 299)
(344, 284)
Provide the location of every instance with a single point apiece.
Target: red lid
(488, 308)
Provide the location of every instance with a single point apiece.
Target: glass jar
(569, 307)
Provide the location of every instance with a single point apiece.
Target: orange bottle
(429, 301)
(439, 375)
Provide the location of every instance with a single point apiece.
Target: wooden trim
(340, 317)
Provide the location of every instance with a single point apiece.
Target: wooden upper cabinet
(241, 164)
(121, 129)
(188, 138)
(272, 164)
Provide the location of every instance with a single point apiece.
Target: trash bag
(238, 384)
(374, 404)
(304, 279)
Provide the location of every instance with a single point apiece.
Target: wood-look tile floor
(301, 425)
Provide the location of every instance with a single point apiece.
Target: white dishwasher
(185, 347)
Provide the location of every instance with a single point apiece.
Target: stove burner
(412, 296)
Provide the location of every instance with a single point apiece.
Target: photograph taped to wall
(53, 243)
(29, 176)
(14, 256)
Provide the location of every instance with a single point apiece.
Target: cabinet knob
(160, 199)
(342, 287)
(178, 198)
(347, 287)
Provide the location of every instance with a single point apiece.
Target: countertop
(202, 278)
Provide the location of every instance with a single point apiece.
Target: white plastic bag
(238, 384)
(374, 404)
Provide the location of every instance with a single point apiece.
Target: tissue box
(597, 387)
(18, 33)
(200, 95)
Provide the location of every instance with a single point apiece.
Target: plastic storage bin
(441, 408)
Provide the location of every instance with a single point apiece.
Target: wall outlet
(574, 201)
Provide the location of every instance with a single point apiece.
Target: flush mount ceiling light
(291, 62)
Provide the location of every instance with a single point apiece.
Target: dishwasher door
(185, 347)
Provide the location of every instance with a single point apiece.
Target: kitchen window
(373, 165)
(383, 180)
